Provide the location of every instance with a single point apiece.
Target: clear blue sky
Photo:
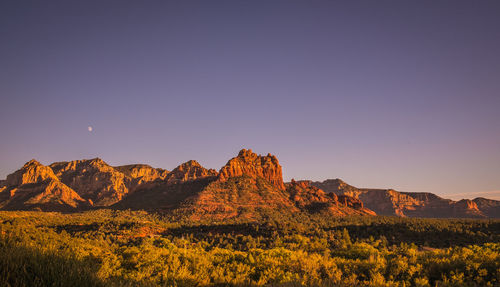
(401, 94)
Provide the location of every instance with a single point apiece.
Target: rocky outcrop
(141, 173)
(313, 199)
(93, 182)
(335, 185)
(166, 194)
(248, 186)
(412, 204)
(307, 196)
(93, 179)
(190, 170)
(35, 186)
(255, 166)
(468, 207)
(489, 207)
(49, 195)
(241, 197)
(349, 201)
(31, 172)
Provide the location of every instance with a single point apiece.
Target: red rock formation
(141, 173)
(247, 186)
(467, 206)
(303, 194)
(242, 197)
(490, 207)
(350, 201)
(35, 186)
(190, 170)
(93, 179)
(31, 172)
(255, 166)
(413, 204)
(313, 199)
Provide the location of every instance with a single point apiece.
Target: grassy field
(124, 248)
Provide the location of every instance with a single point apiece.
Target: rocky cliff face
(466, 206)
(412, 204)
(310, 198)
(31, 172)
(190, 170)
(93, 179)
(35, 186)
(248, 186)
(489, 207)
(141, 173)
(255, 166)
(84, 183)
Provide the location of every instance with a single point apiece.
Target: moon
(90, 129)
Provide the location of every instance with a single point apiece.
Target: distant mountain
(247, 186)
(413, 204)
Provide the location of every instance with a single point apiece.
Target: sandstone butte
(247, 185)
(253, 165)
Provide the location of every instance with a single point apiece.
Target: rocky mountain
(74, 185)
(412, 204)
(247, 186)
(254, 166)
(94, 179)
(250, 185)
(489, 207)
(35, 186)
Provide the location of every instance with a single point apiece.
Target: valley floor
(125, 248)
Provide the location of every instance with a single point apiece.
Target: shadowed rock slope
(413, 204)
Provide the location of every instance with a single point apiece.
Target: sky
(388, 94)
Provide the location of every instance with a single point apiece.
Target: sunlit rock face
(250, 164)
(93, 179)
(312, 199)
(248, 186)
(35, 186)
(31, 172)
(412, 204)
(190, 170)
(142, 173)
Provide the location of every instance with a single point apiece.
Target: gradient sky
(391, 94)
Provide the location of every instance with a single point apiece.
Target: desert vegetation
(135, 248)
